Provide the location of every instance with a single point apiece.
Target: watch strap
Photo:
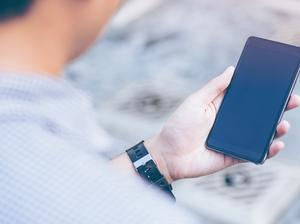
(147, 169)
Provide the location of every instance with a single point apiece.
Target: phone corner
(251, 38)
(262, 160)
(207, 144)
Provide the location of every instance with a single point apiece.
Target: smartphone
(255, 100)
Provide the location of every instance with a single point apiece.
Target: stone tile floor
(191, 40)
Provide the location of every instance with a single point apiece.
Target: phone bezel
(281, 47)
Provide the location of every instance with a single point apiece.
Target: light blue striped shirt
(51, 168)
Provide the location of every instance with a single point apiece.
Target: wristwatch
(147, 169)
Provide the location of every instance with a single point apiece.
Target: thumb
(216, 86)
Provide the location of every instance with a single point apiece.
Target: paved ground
(190, 41)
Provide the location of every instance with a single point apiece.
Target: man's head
(76, 23)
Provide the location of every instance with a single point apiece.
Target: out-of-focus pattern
(155, 54)
(242, 194)
(182, 41)
(194, 39)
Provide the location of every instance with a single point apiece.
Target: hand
(179, 149)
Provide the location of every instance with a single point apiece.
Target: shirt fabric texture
(51, 165)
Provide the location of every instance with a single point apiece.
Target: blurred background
(154, 54)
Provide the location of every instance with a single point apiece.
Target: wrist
(155, 148)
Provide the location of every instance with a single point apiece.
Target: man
(50, 168)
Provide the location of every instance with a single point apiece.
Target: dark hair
(13, 8)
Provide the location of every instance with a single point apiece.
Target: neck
(31, 48)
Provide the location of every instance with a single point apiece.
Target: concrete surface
(192, 40)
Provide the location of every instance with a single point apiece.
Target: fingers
(282, 129)
(216, 86)
(275, 148)
(293, 102)
(217, 102)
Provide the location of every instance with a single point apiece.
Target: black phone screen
(255, 100)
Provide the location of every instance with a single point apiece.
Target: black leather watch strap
(146, 167)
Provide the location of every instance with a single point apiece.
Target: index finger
(294, 102)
